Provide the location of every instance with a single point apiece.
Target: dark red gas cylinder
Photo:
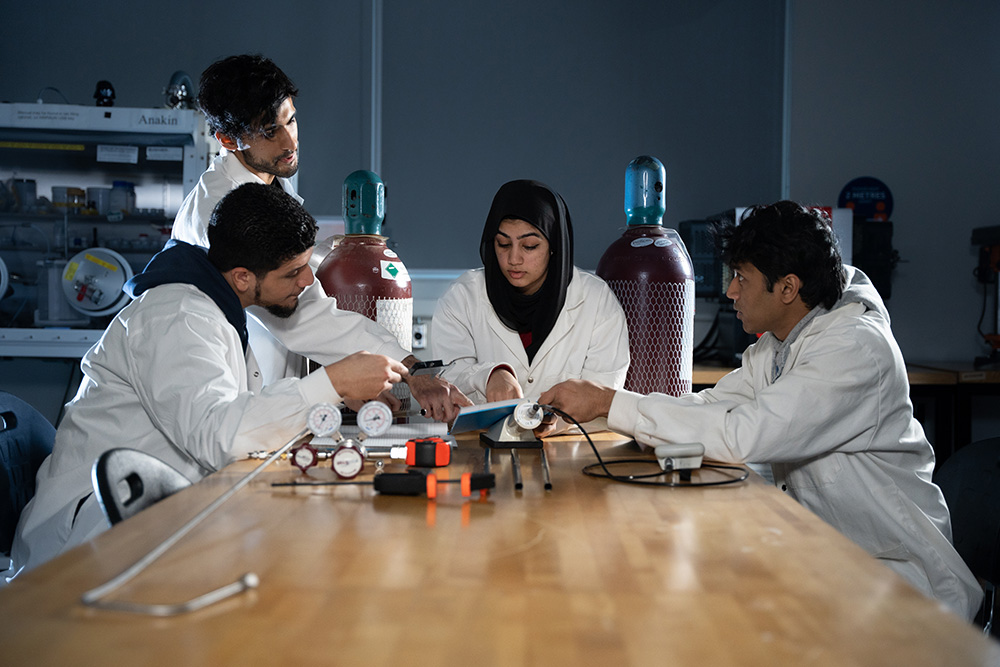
(362, 272)
(650, 272)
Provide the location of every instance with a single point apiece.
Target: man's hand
(386, 397)
(548, 426)
(502, 386)
(363, 376)
(582, 400)
(440, 400)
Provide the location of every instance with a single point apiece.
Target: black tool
(413, 483)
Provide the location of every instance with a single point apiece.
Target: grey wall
(476, 94)
(479, 94)
(323, 46)
(906, 92)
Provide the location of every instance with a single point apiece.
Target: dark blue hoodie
(181, 262)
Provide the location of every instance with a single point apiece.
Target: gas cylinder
(650, 272)
(362, 272)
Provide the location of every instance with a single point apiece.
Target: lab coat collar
(561, 328)
(235, 171)
(181, 262)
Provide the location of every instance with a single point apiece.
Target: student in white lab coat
(250, 107)
(170, 374)
(823, 396)
(529, 318)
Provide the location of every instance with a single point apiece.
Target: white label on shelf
(164, 153)
(120, 154)
(51, 116)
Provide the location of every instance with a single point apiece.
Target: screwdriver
(414, 483)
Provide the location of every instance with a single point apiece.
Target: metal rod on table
(249, 580)
(546, 474)
(516, 464)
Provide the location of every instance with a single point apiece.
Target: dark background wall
(323, 46)
(476, 94)
(526, 89)
(907, 92)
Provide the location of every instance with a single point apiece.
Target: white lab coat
(226, 173)
(168, 377)
(838, 428)
(589, 339)
(317, 330)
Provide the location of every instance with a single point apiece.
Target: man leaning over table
(823, 397)
(249, 103)
(170, 374)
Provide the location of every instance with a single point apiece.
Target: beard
(274, 167)
(284, 312)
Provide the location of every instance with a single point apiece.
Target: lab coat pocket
(898, 552)
(903, 562)
(815, 473)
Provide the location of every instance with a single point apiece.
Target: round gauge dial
(93, 280)
(528, 415)
(323, 419)
(374, 418)
(348, 459)
(304, 457)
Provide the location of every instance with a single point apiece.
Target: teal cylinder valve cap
(364, 203)
(645, 191)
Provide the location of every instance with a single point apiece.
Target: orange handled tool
(431, 452)
(469, 482)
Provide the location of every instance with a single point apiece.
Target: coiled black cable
(600, 469)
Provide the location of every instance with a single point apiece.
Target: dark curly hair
(240, 95)
(258, 227)
(784, 238)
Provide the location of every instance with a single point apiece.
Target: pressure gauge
(348, 459)
(323, 419)
(528, 415)
(374, 418)
(304, 457)
(93, 280)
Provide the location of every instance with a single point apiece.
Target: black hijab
(541, 206)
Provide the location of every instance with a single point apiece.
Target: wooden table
(592, 572)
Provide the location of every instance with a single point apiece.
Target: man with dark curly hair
(823, 397)
(169, 375)
(249, 104)
(250, 107)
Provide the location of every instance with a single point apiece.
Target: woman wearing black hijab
(528, 319)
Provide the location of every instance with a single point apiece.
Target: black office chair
(128, 481)
(970, 480)
(26, 438)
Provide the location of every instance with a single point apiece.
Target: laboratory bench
(590, 572)
(971, 383)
